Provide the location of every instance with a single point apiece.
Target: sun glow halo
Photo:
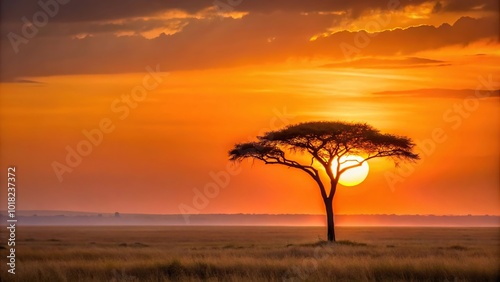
(353, 176)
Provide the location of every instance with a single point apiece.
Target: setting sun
(353, 176)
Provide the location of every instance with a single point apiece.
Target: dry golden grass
(254, 254)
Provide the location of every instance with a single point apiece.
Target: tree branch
(294, 164)
(389, 153)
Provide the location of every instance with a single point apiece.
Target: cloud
(444, 93)
(467, 5)
(437, 7)
(78, 17)
(27, 81)
(103, 10)
(409, 40)
(384, 63)
(203, 43)
(200, 43)
(98, 10)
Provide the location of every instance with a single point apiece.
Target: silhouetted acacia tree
(326, 142)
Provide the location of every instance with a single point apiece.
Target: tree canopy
(326, 142)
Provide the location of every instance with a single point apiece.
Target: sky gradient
(166, 88)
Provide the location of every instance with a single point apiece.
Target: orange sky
(426, 69)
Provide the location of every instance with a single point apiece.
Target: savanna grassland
(253, 254)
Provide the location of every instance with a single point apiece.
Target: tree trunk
(329, 220)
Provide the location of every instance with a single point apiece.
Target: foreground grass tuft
(323, 243)
(350, 243)
(175, 269)
(458, 248)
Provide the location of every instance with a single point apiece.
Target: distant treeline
(75, 218)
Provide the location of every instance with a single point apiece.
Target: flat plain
(249, 253)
